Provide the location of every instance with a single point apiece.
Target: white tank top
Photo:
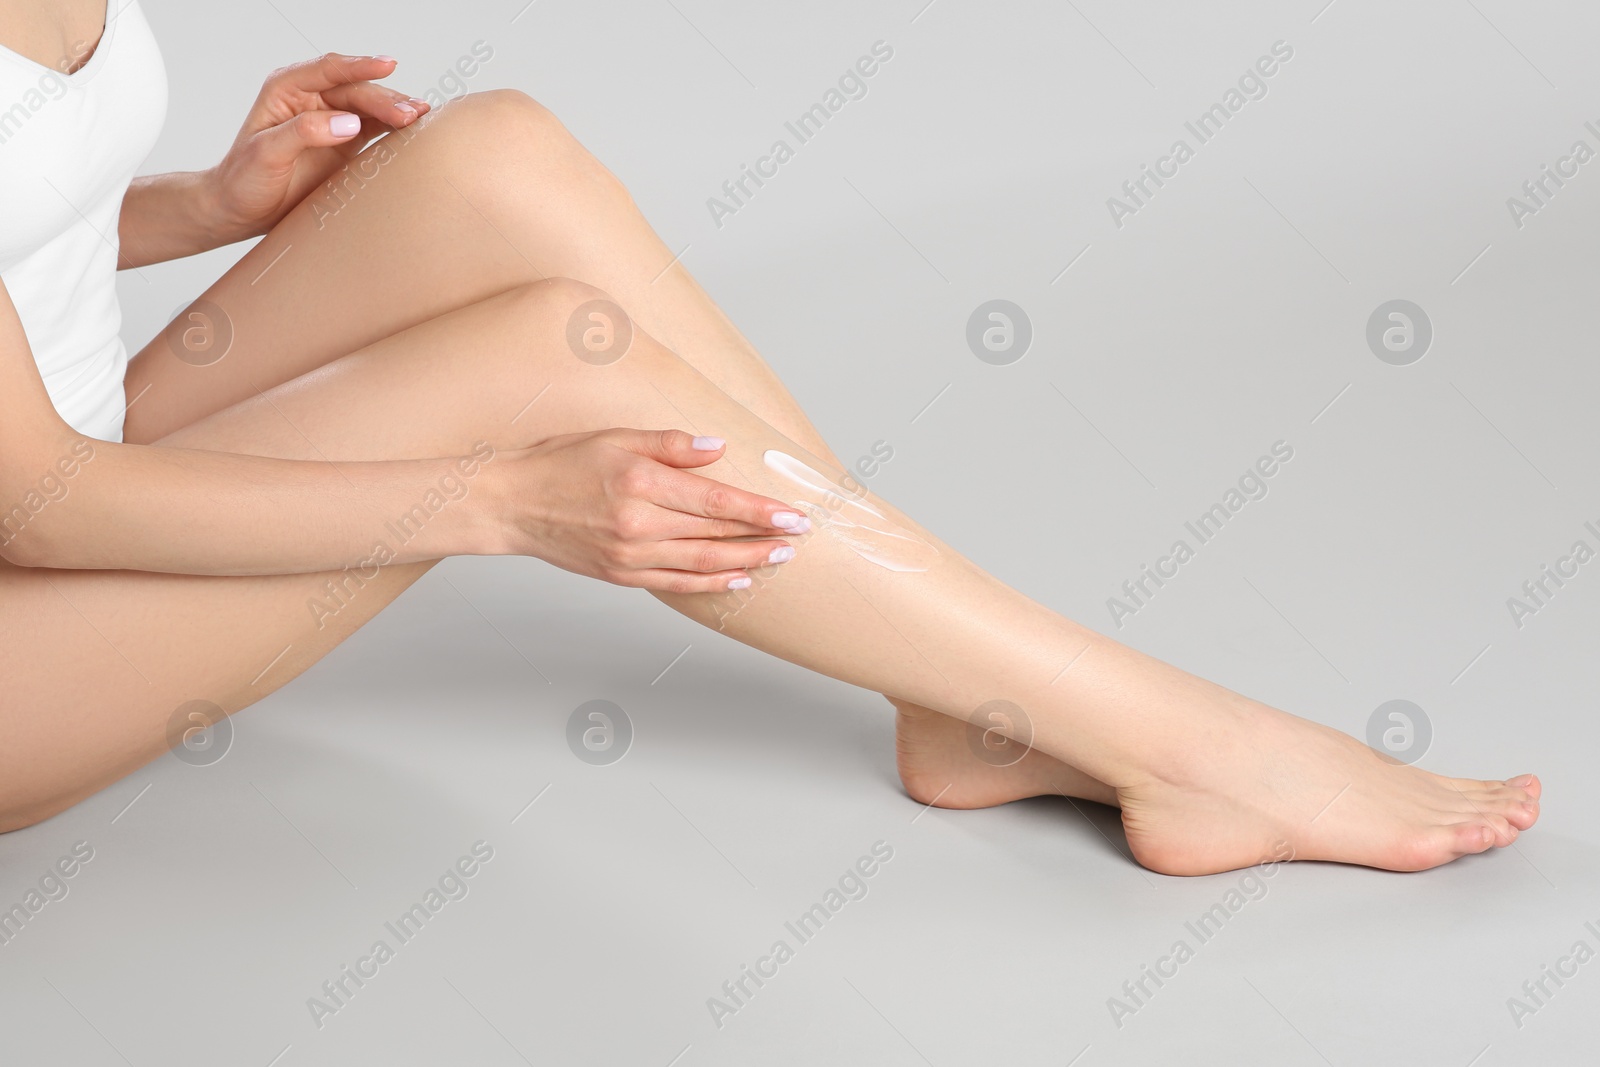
(69, 146)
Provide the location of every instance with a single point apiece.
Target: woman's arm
(170, 216)
(309, 120)
(73, 502)
(67, 501)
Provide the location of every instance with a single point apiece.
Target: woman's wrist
(488, 502)
(217, 225)
(456, 506)
(170, 216)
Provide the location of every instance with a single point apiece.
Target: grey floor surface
(1174, 341)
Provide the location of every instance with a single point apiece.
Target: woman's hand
(614, 505)
(309, 120)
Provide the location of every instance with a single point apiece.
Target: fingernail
(708, 444)
(419, 101)
(405, 109)
(1521, 780)
(788, 520)
(344, 125)
(738, 583)
(781, 554)
(386, 59)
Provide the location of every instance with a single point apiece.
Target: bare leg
(955, 763)
(1207, 780)
(489, 193)
(485, 194)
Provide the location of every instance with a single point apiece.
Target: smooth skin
(391, 337)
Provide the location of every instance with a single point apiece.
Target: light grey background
(1229, 313)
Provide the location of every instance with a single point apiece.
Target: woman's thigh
(97, 663)
(487, 193)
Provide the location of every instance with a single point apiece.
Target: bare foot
(941, 765)
(1264, 786)
(1276, 786)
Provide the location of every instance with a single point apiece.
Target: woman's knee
(577, 336)
(506, 132)
(548, 305)
(577, 325)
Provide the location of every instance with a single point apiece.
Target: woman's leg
(485, 194)
(1207, 780)
(98, 664)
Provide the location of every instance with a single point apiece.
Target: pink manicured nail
(386, 59)
(789, 520)
(344, 125)
(781, 554)
(708, 444)
(405, 109)
(738, 583)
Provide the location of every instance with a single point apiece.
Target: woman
(429, 357)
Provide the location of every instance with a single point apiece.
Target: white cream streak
(857, 524)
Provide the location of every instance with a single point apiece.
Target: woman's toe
(1500, 826)
(1474, 836)
(1522, 813)
(1529, 784)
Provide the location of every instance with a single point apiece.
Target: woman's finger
(674, 488)
(676, 526)
(712, 557)
(669, 524)
(378, 102)
(667, 581)
(707, 498)
(278, 147)
(331, 70)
